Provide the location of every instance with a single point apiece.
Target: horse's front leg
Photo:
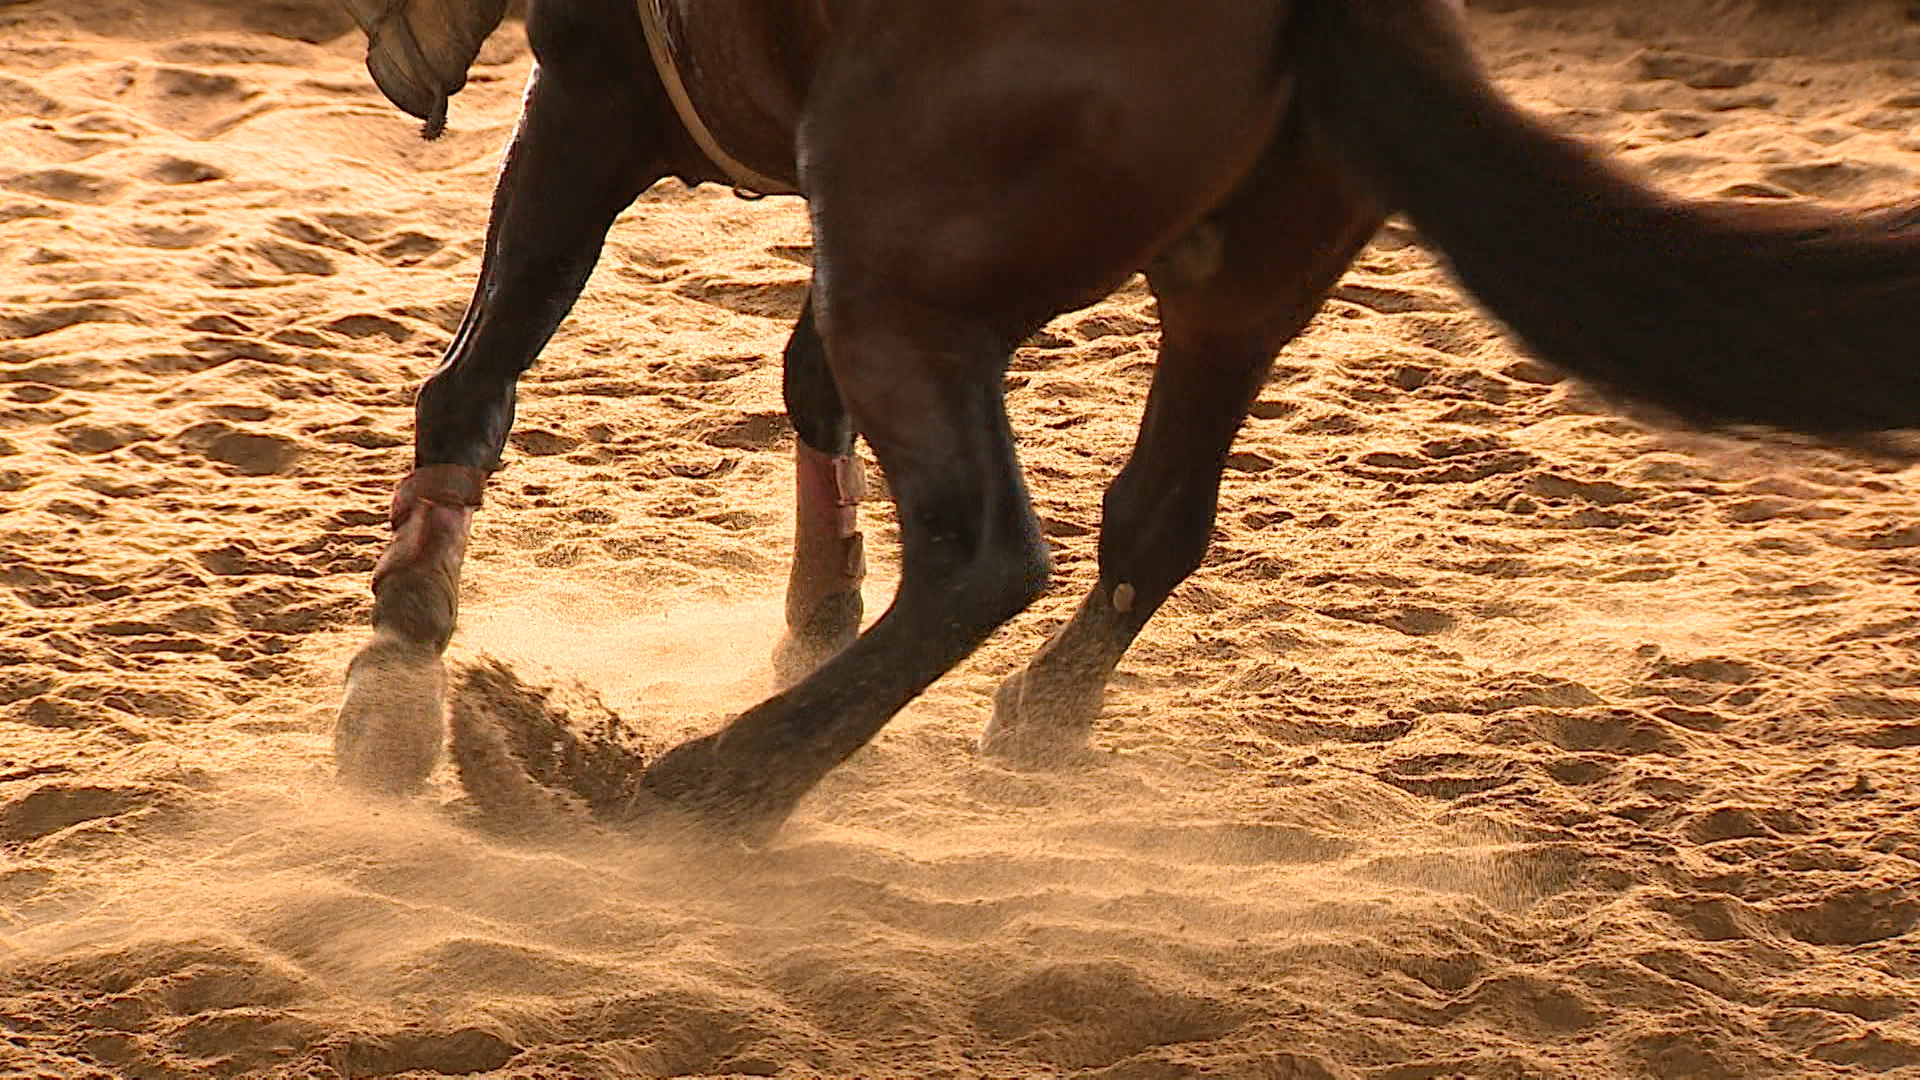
(824, 605)
(586, 147)
(1231, 293)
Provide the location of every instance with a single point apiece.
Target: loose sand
(1499, 736)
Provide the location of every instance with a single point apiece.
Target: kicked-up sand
(1500, 735)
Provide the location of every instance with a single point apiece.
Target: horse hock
(392, 718)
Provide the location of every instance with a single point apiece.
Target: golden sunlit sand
(1500, 735)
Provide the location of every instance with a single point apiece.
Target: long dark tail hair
(1783, 314)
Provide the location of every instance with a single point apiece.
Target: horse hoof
(1026, 734)
(832, 625)
(695, 785)
(797, 656)
(392, 720)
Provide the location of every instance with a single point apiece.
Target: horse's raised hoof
(832, 626)
(392, 720)
(1033, 731)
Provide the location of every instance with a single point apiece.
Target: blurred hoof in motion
(833, 625)
(392, 721)
(728, 784)
(1038, 731)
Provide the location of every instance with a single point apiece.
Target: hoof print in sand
(54, 807)
(248, 453)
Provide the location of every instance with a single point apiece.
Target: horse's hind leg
(584, 150)
(1231, 293)
(824, 605)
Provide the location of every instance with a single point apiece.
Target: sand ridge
(1500, 736)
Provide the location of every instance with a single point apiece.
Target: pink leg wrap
(829, 555)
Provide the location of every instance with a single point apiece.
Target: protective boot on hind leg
(824, 606)
(388, 735)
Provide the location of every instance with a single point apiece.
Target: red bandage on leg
(829, 554)
(417, 581)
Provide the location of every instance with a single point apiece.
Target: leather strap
(745, 178)
(443, 485)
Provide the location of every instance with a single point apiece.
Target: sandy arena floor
(1500, 736)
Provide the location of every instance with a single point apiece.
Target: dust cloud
(1500, 735)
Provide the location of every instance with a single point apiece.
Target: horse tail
(1790, 315)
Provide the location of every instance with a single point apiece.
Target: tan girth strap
(744, 178)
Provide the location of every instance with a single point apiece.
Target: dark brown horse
(975, 169)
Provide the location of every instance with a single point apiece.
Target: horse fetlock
(1044, 714)
(824, 605)
(1012, 577)
(829, 552)
(825, 572)
(416, 586)
(419, 605)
